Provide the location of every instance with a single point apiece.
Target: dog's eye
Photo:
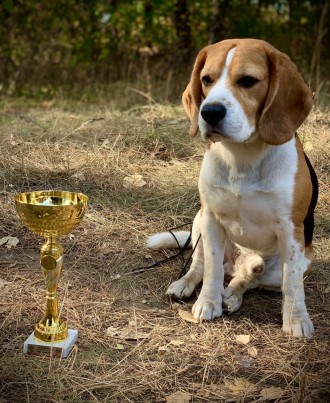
(247, 81)
(207, 80)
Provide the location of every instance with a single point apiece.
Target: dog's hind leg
(186, 285)
(271, 280)
(252, 271)
(248, 270)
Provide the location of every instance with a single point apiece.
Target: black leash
(169, 258)
(184, 269)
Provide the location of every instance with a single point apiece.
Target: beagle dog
(258, 189)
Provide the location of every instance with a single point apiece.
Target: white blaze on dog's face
(244, 88)
(234, 87)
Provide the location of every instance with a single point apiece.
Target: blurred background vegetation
(81, 47)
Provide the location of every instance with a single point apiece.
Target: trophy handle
(51, 328)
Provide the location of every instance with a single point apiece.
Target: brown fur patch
(302, 196)
(287, 92)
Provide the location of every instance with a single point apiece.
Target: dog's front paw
(180, 289)
(299, 325)
(207, 308)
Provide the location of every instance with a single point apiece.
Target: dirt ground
(140, 172)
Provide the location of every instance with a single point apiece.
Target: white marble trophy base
(60, 349)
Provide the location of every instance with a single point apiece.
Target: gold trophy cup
(51, 214)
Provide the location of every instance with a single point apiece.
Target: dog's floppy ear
(288, 102)
(192, 96)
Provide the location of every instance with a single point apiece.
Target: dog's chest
(246, 205)
(249, 217)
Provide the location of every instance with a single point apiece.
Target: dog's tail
(165, 240)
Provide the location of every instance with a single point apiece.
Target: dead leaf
(244, 360)
(134, 181)
(105, 143)
(15, 142)
(126, 334)
(119, 347)
(252, 352)
(12, 242)
(177, 342)
(113, 331)
(9, 241)
(162, 350)
(79, 175)
(239, 385)
(3, 282)
(187, 316)
(243, 338)
(271, 393)
(179, 397)
(4, 240)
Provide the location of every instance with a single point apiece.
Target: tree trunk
(218, 20)
(182, 28)
(316, 59)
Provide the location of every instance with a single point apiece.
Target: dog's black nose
(213, 113)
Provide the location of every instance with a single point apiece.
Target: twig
(29, 120)
(81, 126)
(144, 94)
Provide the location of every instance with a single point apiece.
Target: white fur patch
(235, 125)
(165, 240)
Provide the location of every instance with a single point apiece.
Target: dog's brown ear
(288, 102)
(192, 96)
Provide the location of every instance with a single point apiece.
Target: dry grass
(149, 352)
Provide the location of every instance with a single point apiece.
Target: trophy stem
(51, 327)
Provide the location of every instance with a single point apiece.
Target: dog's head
(244, 88)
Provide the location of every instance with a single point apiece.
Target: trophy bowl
(51, 214)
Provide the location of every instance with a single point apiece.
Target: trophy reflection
(51, 214)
